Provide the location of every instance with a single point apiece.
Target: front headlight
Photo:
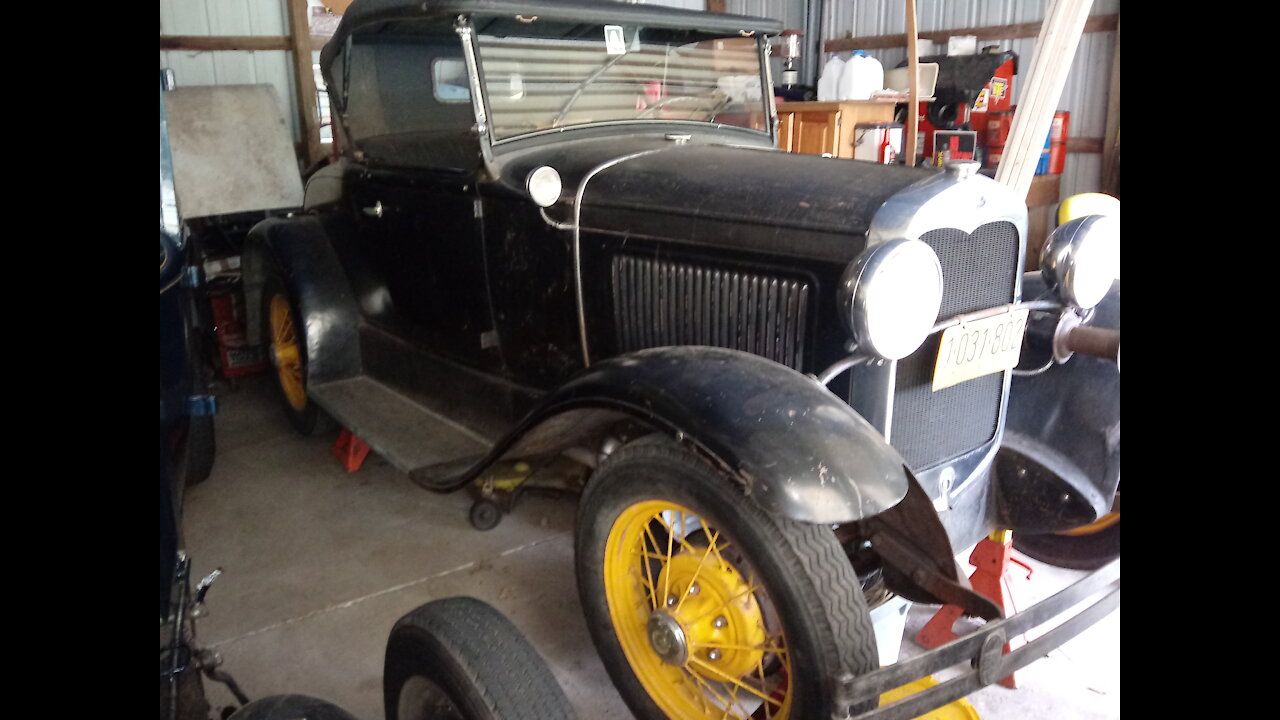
(1081, 259)
(893, 292)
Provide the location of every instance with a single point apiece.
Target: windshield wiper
(577, 93)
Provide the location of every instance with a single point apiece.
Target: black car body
(450, 300)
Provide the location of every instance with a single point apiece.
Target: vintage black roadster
(562, 230)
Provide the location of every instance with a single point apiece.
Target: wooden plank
(913, 85)
(1084, 145)
(304, 79)
(1045, 190)
(1096, 23)
(1111, 139)
(716, 6)
(1055, 48)
(209, 43)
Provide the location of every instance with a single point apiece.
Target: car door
(418, 206)
(425, 235)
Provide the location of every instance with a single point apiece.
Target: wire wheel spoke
(765, 648)
(712, 671)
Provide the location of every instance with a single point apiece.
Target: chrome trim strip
(644, 126)
(483, 131)
(994, 310)
(170, 218)
(577, 240)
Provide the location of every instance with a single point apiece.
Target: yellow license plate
(979, 347)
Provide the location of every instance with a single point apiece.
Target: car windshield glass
(615, 73)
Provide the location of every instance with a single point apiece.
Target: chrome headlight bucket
(543, 185)
(1081, 259)
(893, 292)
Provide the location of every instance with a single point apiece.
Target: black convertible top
(364, 12)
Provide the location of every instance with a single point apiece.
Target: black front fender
(797, 449)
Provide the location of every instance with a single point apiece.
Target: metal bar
(1001, 666)
(969, 646)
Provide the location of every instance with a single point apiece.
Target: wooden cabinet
(815, 128)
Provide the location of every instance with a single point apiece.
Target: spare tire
(460, 659)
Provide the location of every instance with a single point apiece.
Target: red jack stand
(991, 557)
(350, 450)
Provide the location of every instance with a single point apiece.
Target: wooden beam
(304, 79)
(1084, 145)
(203, 43)
(1096, 23)
(1055, 48)
(716, 6)
(913, 86)
(1111, 139)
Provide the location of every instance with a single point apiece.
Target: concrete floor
(318, 564)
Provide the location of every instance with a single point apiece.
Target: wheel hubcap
(667, 639)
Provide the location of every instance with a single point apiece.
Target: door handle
(375, 211)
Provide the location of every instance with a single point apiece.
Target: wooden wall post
(913, 86)
(304, 79)
(1111, 139)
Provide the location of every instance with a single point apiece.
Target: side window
(449, 80)
(408, 101)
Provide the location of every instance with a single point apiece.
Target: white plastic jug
(862, 75)
(828, 83)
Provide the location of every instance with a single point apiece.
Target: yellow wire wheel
(284, 352)
(704, 606)
(286, 344)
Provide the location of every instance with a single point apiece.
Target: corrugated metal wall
(228, 67)
(1085, 94)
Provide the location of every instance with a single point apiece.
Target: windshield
(608, 73)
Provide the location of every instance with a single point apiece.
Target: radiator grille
(658, 303)
(979, 270)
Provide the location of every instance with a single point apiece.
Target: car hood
(707, 191)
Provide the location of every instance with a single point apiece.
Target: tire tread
(497, 662)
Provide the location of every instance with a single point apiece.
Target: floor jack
(991, 557)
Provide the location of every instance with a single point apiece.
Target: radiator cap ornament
(962, 170)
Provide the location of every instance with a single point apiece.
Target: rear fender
(300, 249)
(795, 448)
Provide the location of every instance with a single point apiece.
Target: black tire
(805, 577)
(200, 450)
(309, 419)
(485, 514)
(291, 707)
(460, 659)
(1074, 552)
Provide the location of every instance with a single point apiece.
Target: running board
(408, 435)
